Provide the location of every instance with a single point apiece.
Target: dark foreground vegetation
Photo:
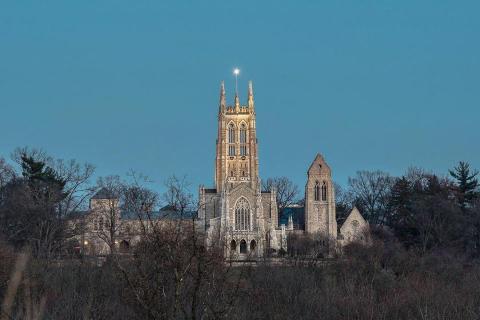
(422, 262)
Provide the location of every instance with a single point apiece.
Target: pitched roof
(319, 160)
(104, 193)
(166, 212)
(354, 215)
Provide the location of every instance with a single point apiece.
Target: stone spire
(290, 222)
(223, 104)
(251, 104)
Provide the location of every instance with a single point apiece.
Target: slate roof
(167, 212)
(104, 193)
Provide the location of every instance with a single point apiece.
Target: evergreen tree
(466, 184)
(401, 218)
(37, 170)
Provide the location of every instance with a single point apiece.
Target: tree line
(422, 262)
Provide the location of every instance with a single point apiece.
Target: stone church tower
(236, 156)
(320, 216)
(237, 213)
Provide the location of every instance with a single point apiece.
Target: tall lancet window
(316, 191)
(242, 215)
(231, 140)
(324, 191)
(243, 140)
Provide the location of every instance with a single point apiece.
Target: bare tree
(172, 273)
(6, 173)
(35, 207)
(344, 200)
(140, 203)
(371, 190)
(287, 191)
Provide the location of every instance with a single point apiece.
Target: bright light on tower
(236, 71)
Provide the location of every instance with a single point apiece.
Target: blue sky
(134, 84)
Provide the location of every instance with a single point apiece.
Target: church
(237, 214)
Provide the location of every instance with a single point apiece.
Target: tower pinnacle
(251, 104)
(236, 72)
(223, 102)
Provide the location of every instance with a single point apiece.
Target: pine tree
(466, 184)
(37, 170)
(401, 218)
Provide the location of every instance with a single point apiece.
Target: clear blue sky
(134, 84)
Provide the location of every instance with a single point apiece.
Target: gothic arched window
(233, 245)
(242, 215)
(231, 139)
(243, 140)
(316, 191)
(324, 191)
(231, 133)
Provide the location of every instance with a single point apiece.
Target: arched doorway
(253, 246)
(243, 246)
(233, 245)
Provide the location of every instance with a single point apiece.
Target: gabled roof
(354, 215)
(319, 165)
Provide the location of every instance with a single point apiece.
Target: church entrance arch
(243, 246)
(253, 245)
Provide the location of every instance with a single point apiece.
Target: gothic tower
(236, 155)
(320, 214)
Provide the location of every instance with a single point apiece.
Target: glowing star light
(236, 71)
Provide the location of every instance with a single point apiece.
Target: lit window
(243, 140)
(243, 150)
(231, 133)
(231, 140)
(231, 150)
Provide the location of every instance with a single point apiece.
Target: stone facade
(354, 228)
(237, 213)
